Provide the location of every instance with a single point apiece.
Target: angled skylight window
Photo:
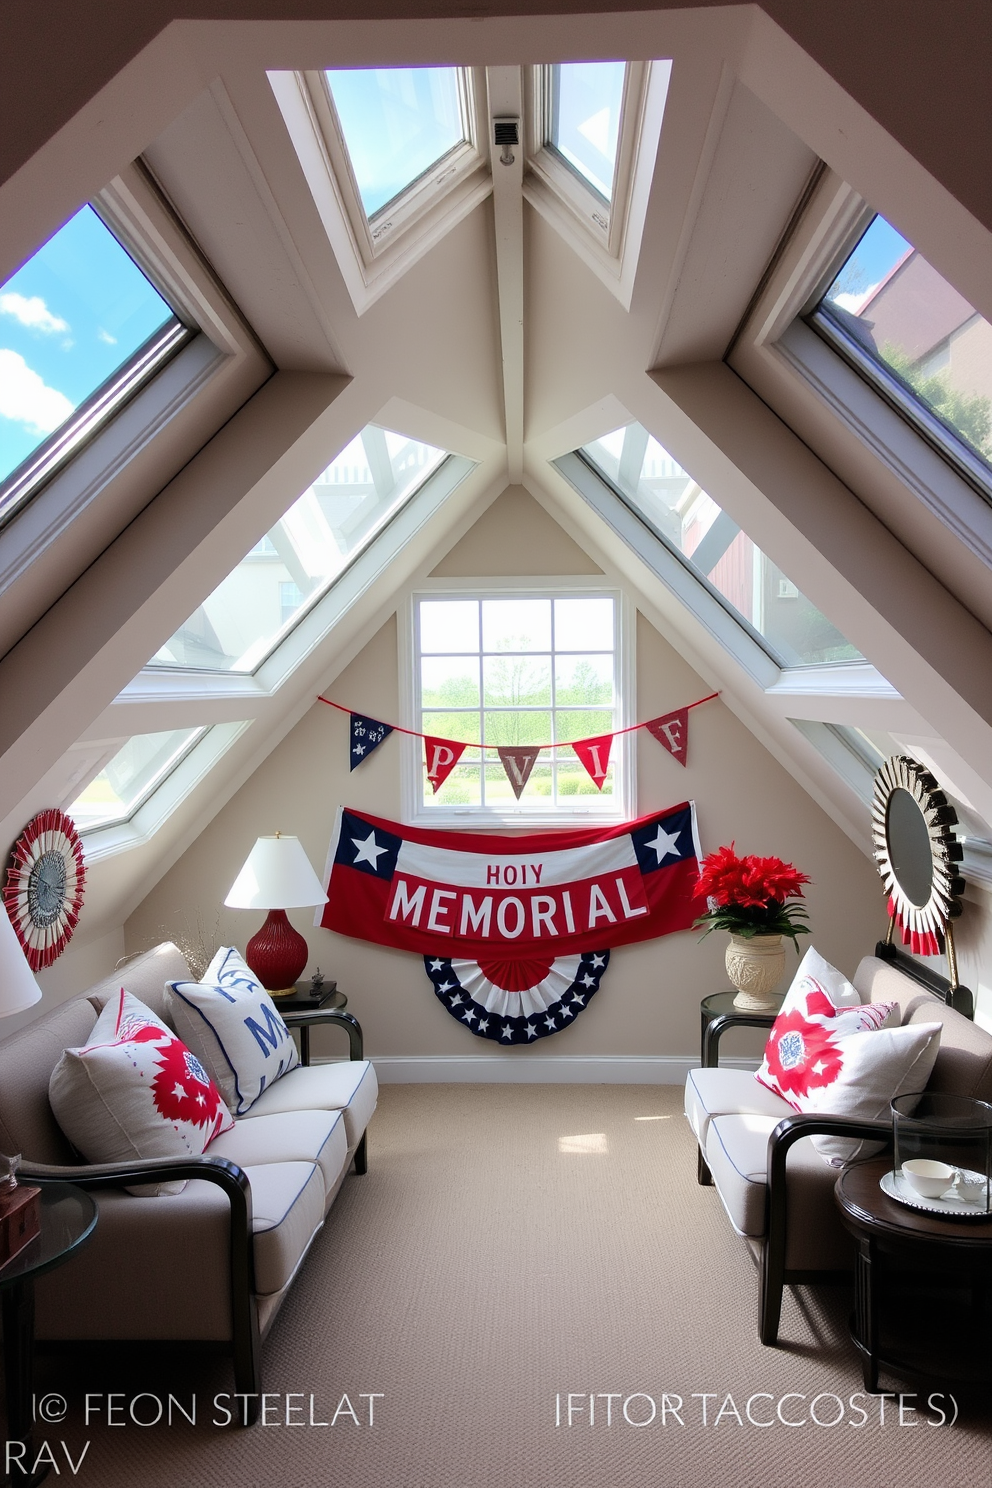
(81, 329)
(246, 616)
(397, 123)
(922, 344)
(716, 550)
(586, 100)
(130, 777)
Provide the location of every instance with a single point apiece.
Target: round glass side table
(68, 1218)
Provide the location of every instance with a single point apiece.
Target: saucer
(894, 1185)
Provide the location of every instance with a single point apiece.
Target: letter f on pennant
(442, 756)
(595, 755)
(672, 732)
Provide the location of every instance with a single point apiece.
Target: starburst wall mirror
(917, 853)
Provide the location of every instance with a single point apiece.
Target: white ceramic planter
(755, 968)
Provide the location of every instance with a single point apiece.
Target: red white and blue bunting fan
(515, 931)
(477, 995)
(44, 889)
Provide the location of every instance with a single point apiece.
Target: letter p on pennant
(442, 756)
(595, 755)
(672, 732)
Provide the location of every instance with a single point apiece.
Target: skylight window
(586, 100)
(716, 550)
(397, 123)
(284, 574)
(130, 777)
(81, 329)
(920, 341)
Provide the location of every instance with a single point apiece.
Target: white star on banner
(445, 986)
(577, 999)
(549, 1022)
(359, 748)
(530, 1031)
(469, 1016)
(368, 851)
(507, 1031)
(455, 1001)
(436, 965)
(566, 1012)
(588, 981)
(664, 844)
(483, 1025)
(598, 962)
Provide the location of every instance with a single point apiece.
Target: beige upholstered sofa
(776, 1188)
(213, 1263)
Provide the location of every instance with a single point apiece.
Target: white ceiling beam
(505, 86)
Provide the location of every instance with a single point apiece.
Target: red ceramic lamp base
(277, 954)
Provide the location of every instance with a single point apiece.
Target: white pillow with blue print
(233, 1027)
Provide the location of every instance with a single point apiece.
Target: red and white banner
(672, 732)
(497, 899)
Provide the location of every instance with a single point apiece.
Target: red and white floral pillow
(136, 1091)
(843, 1060)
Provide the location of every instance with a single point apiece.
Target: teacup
(929, 1178)
(970, 1188)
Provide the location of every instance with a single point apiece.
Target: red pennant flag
(595, 755)
(442, 756)
(672, 733)
(518, 764)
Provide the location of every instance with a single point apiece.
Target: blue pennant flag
(366, 734)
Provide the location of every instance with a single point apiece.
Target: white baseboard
(575, 1069)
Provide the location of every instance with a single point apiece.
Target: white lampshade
(18, 988)
(277, 875)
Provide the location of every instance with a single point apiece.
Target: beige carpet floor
(512, 1245)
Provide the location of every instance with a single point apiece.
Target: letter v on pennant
(672, 732)
(518, 764)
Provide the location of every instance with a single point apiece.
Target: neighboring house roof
(915, 308)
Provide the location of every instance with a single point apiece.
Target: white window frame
(374, 255)
(623, 755)
(607, 235)
(790, 365)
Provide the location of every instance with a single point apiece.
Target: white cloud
(33, 313)
(27, 399)
(106, 337)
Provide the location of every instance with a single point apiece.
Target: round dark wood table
(922, 1287)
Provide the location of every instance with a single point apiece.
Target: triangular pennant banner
(672, 732)
(366, 734)
(442, 756)
(595, 755)
(518, 764)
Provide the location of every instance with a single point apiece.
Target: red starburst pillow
(136, 1091)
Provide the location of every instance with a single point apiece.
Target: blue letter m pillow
(232, 1026)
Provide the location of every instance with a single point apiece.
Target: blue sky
(876, 255)
(397, 121)
(587, 123)
(73, 314)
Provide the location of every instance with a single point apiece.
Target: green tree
(968, 414)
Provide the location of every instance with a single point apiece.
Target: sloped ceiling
(749, 115)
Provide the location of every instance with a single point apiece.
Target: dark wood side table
(68, 1219)
(922, 1287)
(306, 1001)
(721, 1005)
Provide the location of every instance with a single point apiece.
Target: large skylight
(397, 123)
(246, 616)
(712, 545)
(71, 319)
(584, 124)
(130, 777)
(917, 338)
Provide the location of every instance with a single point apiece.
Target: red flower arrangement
(747, 896)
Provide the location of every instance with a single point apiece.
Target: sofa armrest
(321, 1016)
(790, 1130)
(717, 1027)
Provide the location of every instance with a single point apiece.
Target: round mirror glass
(910, 855)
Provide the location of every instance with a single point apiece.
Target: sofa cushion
(737, 1156)
(349, 1086)
(721, 1092)
(144, 977)
(287, 1201)
(289, 1136)
(135, 1091)
(231, 1023)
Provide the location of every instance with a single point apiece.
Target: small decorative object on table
(747, 896)
(942, 1160)
(20, 1216)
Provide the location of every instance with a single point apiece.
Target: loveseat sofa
(213, 1263)
(776, 1188)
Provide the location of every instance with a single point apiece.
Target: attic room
(381, 386)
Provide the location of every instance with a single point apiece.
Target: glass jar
(952, 1129)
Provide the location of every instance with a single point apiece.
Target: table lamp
(277, 876)
(18, 988)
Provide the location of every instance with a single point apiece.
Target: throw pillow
(232, 1024)
(135, 1091)
(871, 1070)
(815, 972)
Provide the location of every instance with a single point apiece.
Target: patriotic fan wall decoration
(515, 932)
(44, 889)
